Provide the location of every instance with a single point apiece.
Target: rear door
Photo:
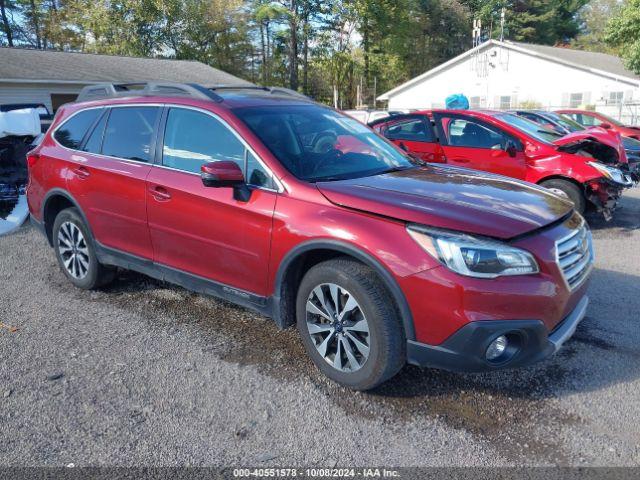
(109, 175)
(203, 230)
(415, 134)
(472, 143)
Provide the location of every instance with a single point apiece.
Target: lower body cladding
(604, 193)
(493, 345)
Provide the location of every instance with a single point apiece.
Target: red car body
(253, 251)
(532, 159)
(589, 118)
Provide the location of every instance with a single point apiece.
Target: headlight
(471, 256)
(614, 174)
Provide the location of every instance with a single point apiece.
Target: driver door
(472, 143)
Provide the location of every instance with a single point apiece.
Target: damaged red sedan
(580, 166)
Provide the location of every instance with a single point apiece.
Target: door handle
(160, 194)
(82, 173)
(460, 160)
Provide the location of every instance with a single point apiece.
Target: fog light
(497, 348)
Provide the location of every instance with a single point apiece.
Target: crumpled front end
(605, 193)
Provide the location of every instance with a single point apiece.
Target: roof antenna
(502, 16)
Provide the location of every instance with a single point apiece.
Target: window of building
(129, 133)
(505, 102)
(71, 133)
(474, 102)
(615, 98)
(575, 100)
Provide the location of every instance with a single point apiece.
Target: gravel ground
(143, 373)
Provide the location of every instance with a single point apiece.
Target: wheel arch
(54, 202)
(306, 255)
(561, 177)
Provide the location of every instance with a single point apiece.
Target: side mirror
(221, 174)
(225, 174)
(606, 126)
(511, 149)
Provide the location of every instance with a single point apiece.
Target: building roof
(593, 62)
(19, 64)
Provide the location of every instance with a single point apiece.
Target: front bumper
(465, 350)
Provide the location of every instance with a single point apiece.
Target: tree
(623, 32)
(594, 18)
(534, 21)
(7, 29)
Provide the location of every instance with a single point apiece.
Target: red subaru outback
(269, 200)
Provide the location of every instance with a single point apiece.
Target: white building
(502, 75)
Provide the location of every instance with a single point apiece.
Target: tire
(358, 368)
(571, 190)
(76, 253)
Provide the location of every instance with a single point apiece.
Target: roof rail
(115, 90)
(273, 90)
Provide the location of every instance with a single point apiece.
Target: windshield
(316, 143)
(565, 122)
(608, 119)
(536, 131)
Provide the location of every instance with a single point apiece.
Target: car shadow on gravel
(501, 407)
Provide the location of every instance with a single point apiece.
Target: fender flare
(59, 192)
(347, 249)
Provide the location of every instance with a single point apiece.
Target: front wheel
(569, 190)
(349, 325)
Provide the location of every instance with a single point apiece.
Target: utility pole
(502, 18)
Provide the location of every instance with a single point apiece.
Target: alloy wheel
(338, 327)
(73, 250)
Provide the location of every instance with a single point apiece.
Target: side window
(71, 132)
(468, 133)
(413, 130)
(589, 121)
(129, 133)
(94, 142)
(256, 174)
(192, 139)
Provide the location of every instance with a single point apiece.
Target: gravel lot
(143, 373)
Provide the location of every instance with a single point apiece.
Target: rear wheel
(567, 189)
(348, 324)
(76, 253)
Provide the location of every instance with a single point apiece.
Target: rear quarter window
(73, 130)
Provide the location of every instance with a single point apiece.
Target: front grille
(575, 256)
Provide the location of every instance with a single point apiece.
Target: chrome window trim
(280, 187)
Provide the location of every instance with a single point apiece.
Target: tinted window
(94, 142)
(414, 130)
(193, 138)
(316, 143)
(129, 133)
(468, 133)
(71, 132)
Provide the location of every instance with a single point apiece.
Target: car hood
(452, 198)
(575, 141)
(590, 134)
